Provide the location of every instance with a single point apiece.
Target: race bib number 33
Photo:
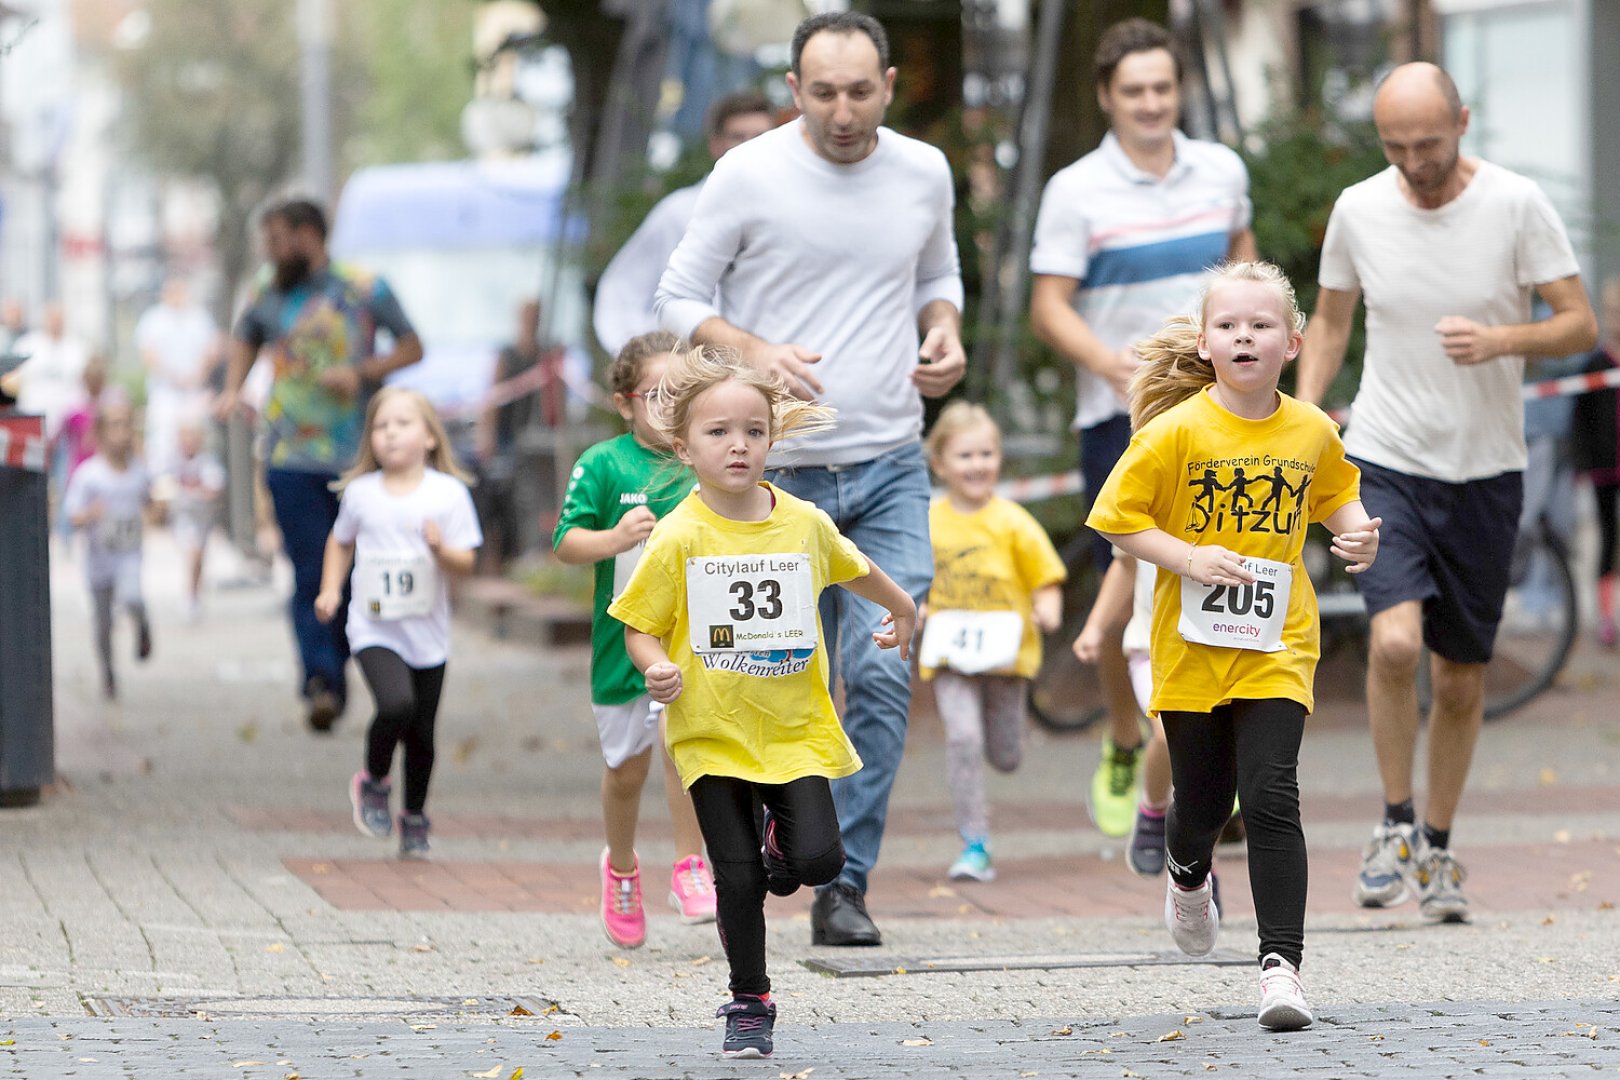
(1248, 616)
(750, 603)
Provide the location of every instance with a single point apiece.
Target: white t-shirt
(51, 380)
(839, 259)
(1478, 256)
(627, 289)
(113, 540)
(198, 482)
(380, 524)
(1138, 244)
(181, 339)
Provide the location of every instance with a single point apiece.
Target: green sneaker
(1112, 800)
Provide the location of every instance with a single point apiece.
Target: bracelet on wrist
(1190, 549)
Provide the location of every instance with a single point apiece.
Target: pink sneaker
(622, 914)
(691, 890)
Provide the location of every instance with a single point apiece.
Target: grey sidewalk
(138, 885)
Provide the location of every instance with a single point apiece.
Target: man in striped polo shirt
(1121, 243)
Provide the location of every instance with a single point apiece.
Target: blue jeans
(306, 508)
(882, 505)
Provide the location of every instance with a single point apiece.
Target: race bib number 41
(396, 586)
(972, 642)
(1239, 616)
(750, 603)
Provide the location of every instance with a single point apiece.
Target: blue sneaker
(973, 864)
(370, 801)
(1389, 866)
(750, 1026)
(1145, 852)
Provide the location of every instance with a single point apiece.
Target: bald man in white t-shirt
(1447, 251)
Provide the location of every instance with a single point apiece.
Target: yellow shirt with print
(764, 717)
(1207, 476)
(992, 559)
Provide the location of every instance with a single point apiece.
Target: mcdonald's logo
(720, 637)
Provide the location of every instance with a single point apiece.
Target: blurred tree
(416, 75)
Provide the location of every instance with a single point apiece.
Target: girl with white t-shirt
(405, 524)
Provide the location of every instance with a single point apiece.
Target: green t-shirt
(611, 479)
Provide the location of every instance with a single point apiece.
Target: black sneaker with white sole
(750, 1027)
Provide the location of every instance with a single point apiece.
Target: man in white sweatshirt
(625, 293)
(831, 241)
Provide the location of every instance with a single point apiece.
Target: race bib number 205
(750, 603)
(1248, 616)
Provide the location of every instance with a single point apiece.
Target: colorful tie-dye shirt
(329, 319)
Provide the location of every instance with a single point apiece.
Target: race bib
(750, 603)
(396, 586)
(1239, 616)
(624, 564)
(119, 536)
(972, 642)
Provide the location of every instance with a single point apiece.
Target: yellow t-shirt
(992, 560)
(1204, 475)
(765, 717)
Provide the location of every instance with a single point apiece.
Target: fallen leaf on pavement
(1192, 1019)
(1548, 921)
(8, 1042)
(1606, 905)
(924, 1041)
(245, 1064)
(700, 961)
(535, 960)
(1375, 1038)
(248, 732)
(1484, 1042)
(1170, 1036)
(422, 946)
(463, 751)
(552, 1009)
(899, 971)
(940, 891)
(490, 1075)
(1210, 1066)
(621, 961)
(1561, 836)
(1066, 1029)
(424, 1027)
(518, 1010)
(1582, 881)
(469, 1001)
(1030, 1073)
(276, 947)
(555, 1036)
(517, 1073)
(1548, 776)
(803, 1074)
(1544, 959)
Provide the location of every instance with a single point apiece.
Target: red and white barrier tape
(1055, 485)
(22, 443)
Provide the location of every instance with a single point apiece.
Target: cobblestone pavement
(191, 897)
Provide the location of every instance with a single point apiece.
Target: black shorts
(1448, 545)
(1101, 447)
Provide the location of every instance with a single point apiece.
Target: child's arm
(1110, 611)
(880, 588)
(647, 653)
(1355, 536)
(88, 516)
(1047, 607)
(334, 572)
(1207, 564)
(594, 545)
(458, 562)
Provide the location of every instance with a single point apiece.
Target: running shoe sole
(680, 912)
(1285, 1016)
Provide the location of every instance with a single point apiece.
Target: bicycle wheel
(1064, 694)
(1537, 633)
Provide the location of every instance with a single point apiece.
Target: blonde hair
(1172, 371)
(955, 418)
(441, 457)
(706, 367)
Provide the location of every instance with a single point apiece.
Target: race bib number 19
(396, 586)
(1248, 616)
(750, 603)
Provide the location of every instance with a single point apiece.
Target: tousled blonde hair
(1172, 371)
(706, 367)
(955, 418)
(441, 457)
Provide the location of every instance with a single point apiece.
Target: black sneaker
(143, 640)
(1145, 852)
(778, 878)
(325, 706)
(413, 836)
(750, 1024)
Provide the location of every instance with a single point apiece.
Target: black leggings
(407, 704)
(806, 831)
(1608, 506)
(1249, 748)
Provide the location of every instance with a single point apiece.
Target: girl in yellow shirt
(1221, 478)
(720, 618)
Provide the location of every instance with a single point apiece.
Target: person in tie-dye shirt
(317, 323)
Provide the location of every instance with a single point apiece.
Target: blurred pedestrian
(319, 323)
(13, 324)
(1122, 240)
(406, 525)
(498, 430)
(180, 348)
(194, 483)
(1447, 251)
(79, 429)
(106, 499)
(1596, 435)
(832, 243)
(628, 287)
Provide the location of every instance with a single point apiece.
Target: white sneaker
(1388, 866)
(1192, 917)
(1440, 877)
(1282, 996)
